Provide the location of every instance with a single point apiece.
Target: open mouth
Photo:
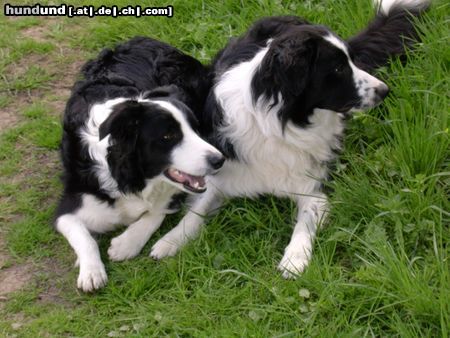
(192, 183)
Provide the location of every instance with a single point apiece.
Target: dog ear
(123, 126)
(286, 67)
(292, 60)
(123, 120)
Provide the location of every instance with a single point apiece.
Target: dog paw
(294, 262)
(92, 276)
(122, 248)
(164, 248)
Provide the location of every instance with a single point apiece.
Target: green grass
(380, 267)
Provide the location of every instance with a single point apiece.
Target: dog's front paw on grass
(92, 277)
(294, 262)
(122, 248)
(164, 248)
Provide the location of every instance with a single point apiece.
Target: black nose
(381, 91)
(215, 160)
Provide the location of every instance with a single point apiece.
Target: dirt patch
(62, 64)
(45, 275)
(37, 33)
(8, 118)
(15, 278)
(60, 89)
(51, 282)
(10, 115)
(48, 164)
(4, 257)
(18, 69)
(12, 277)
(41, 31)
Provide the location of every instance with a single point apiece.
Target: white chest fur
(101, 217)
(154, 198)
(271, 160)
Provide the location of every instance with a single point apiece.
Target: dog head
(308, 67)
(156, 136)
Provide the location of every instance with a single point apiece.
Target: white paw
(123, 248)
(164, 248)
(92, 276)
(294, 262)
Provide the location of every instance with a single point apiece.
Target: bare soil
(63, 64)
(56, 92)
(8, 118)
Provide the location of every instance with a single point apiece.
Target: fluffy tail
(389, 34)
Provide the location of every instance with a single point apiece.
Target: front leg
(189, 227)
(312, 211)
(130, 243)
(92, 271)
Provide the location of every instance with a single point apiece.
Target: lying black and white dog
(129, 148)
(277, 108)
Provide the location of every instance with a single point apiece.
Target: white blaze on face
(190, 156)
(368, 87)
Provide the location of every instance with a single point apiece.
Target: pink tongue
(183, 177)
(193, 179)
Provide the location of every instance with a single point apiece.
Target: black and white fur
(129, 148)
(277, 108)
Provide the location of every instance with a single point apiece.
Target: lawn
(380, 266)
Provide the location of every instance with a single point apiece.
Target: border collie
(129, 148)
(277, 108)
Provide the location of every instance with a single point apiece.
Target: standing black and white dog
(277, 108)
(129, 148)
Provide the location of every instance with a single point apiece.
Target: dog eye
(339, 69)
(170, 136)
